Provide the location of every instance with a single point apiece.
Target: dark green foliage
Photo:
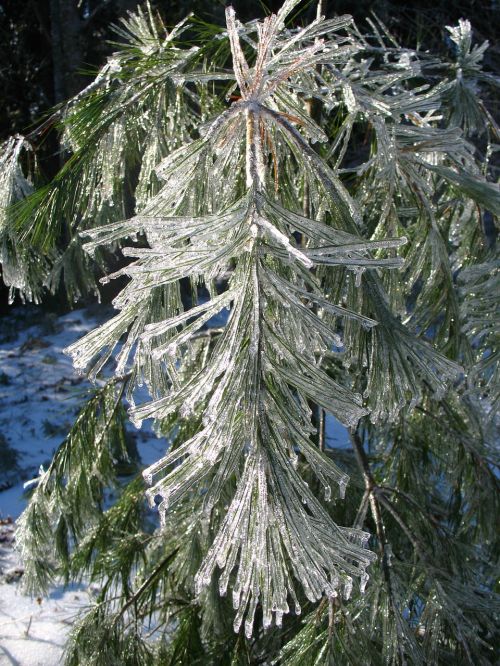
(69, 496)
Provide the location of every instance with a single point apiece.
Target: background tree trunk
(67, 48)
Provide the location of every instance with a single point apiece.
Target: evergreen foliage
(301, 217)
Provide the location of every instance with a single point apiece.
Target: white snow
(40, 392)
(33, 631)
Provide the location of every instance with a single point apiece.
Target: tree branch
(371, 487)
(155, 573)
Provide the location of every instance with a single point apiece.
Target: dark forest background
(50, 49)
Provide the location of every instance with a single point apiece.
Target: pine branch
(67, 499)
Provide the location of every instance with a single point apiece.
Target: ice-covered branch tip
(219, 221)
(273, 516)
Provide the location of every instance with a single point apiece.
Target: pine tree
(302, 218)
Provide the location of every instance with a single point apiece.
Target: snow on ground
(32, 631)
(40, 395)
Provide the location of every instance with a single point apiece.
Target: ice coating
(219, 220)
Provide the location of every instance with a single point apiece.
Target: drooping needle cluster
(227, 218)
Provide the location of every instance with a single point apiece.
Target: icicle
(347, 587)
(358, 274)
(342, 486)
